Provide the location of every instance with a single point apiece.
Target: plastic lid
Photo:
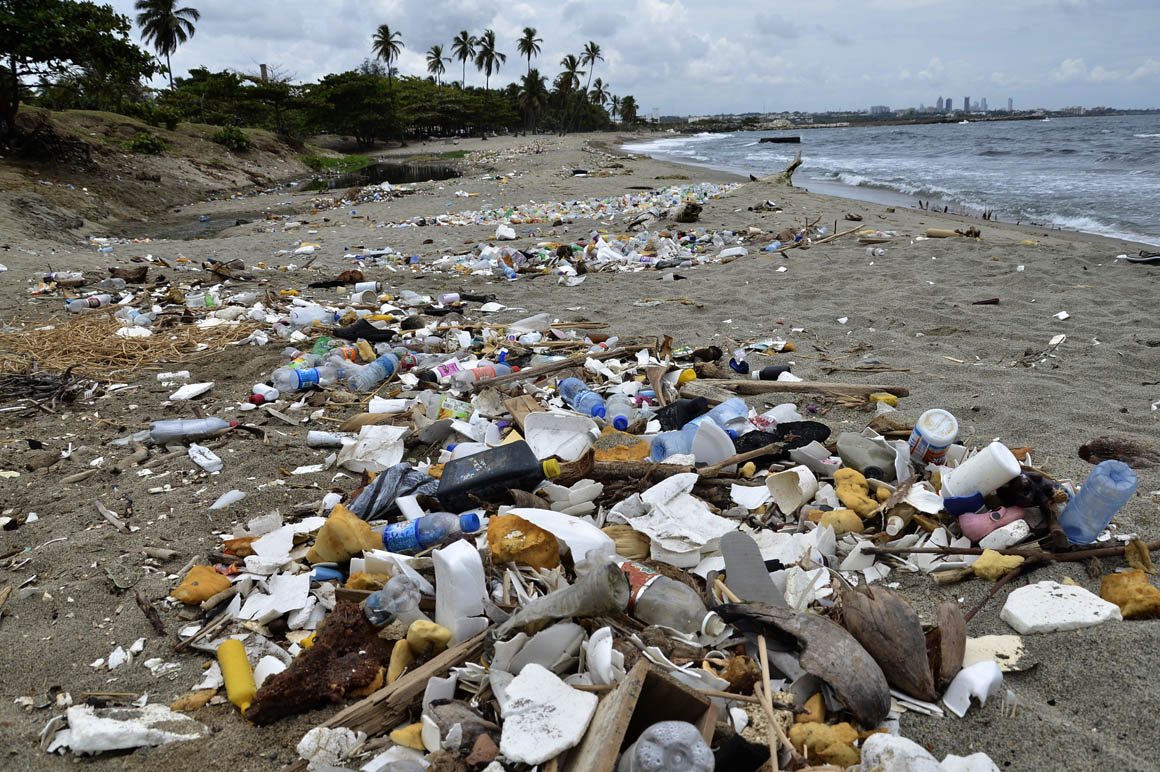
(687, 375)
(620, 422)
(712, 625)
(468, 523)
(599, 411)
(551, 468)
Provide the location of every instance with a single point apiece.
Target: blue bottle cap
(620, 423)
(599, 411)
(469, 523)
(963, 505)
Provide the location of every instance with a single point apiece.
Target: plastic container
(183, 429)
(620, 411)
(367, 377)
(976, 525)
(112, 284)
(771, 373)
(464, 379)
(237, 674)
(267, 393)
(484, 476)
(933, 434)
(449, 298)
(984, 472)
(365, 286)
(657, 600)
(867, 456)
(399, 599)
(429, 531)
(582, 399)
(668, 746)
(290, 379)
(81, 305)
(1104, 493)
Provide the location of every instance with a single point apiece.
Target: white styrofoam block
(543, 716)
(897, 754)
(1007, 536)
(976, 762)
(1047, 607)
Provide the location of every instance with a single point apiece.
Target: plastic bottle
(202, 300)
(465, 378)
(180, 429)
(367, 377)
(668, 746)
(81, 305)
(133, 317)
(399, 599)
(677, 414)
(112, 284)
(363, 286)
(620, 410)
(487, 475)
(657, 600)
(1105, 491)
(429, 531)
(732, 415)
(866, 456)
(290, 379)
(304, 315)
(63, 276)
(738, 362)
(606, 345)
(770, 373)
(933, 433)
(986, 471)
(582, 399)
(237, 674)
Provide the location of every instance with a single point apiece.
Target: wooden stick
(79, 476)
(109, 515)
(773, 736)
(726, 592)
(738, 458)
(1032, 556)
(1014, 572)
(210, 627)
(802, 387)
(150, 614)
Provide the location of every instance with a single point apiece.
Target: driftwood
(802, 387)
(786, 177)
(111, 516)
(150, 614)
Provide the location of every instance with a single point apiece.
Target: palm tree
(615, 107)
(590, 57)
(569, 81)
(435, 60)
(165, 27)
(387, 45)
(464, 48)
(628, 110)
(487, 58)
(598, 93)
(533, 96)
(529, 45)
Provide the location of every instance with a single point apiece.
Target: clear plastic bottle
(428, 531)
(301, 316)
(1104, 493)
(582, 399)
(732, 415)
(290, 379)
(367, 377)
(133, 317)
(181, 429)
(202, 300)
(668, 746)
(399, 599)
(657, 600)
(620, 411)
(677, 442)
(63, 276)
(464, 379)
(112, 284)
(83, 305)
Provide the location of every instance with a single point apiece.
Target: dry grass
(90, 342)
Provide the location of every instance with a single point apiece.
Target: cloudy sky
(694, 57)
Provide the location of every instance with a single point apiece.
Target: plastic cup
(792, 488)
(985, 472)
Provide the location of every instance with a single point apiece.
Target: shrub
(167, 115)
(233, 138)
(146, 143)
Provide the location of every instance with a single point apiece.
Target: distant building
(1010, 105)
(939, 105)
(949, 105)
(966, 104)
(984, 104)
(879, 109)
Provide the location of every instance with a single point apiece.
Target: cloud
(1149, 70)
(1069, 70)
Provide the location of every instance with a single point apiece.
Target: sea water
(1098, 174)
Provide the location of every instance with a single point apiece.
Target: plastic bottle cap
(712, 625)
(620, 423)
(552, 468)
(599, 411)
(469, 523)
(687, 375)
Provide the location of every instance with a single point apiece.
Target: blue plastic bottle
(429, 531)
(676, 442)
(1104, 493)
(582, 399)
(369, 376)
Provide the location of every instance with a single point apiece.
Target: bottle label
(639, 578)
(454, 408)
(446, 370)
(402, 537)
(307, 378)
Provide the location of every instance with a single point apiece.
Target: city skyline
(685, 57)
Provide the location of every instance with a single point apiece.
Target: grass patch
(672, 177)
(346, 163)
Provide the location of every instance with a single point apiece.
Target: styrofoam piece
(190, 390)
(378, 447)
(1006, 650)
(1046, 607)
(266, 667)
(324, 747)
(439, 689)
(580, 536)
(110, 729)
(897, 754)
(227, 498)
(288, 592)
(1007, 536)
(981, 680)
(566, 435)
(461, 589)
(392, 754)
(976, 762)
(749, 496)
(554, 648)
(605, 665)
(792, 488)
(543, 716)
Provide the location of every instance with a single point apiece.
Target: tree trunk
(169, 67)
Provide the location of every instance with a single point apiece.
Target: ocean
(1094, 174)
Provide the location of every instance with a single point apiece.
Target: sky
(688, 57)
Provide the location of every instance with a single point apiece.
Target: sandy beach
(907, 317)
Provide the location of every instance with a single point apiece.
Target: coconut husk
(888, 628)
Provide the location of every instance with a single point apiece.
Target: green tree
(598, 93)
(463, 48)
(435, 62)
(43, 38)
(615, 106)
(356, 104)
(569, 81)
(589, 58)
(487, 57)
(628, 110)
(387, 45)
(529, 45)
(533, 97)
(165, 26)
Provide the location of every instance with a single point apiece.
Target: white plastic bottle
(83, 305)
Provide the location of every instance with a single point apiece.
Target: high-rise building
(984, 104)
(950, 105)
(966, 104)
(939, 106)
(1010, 105)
